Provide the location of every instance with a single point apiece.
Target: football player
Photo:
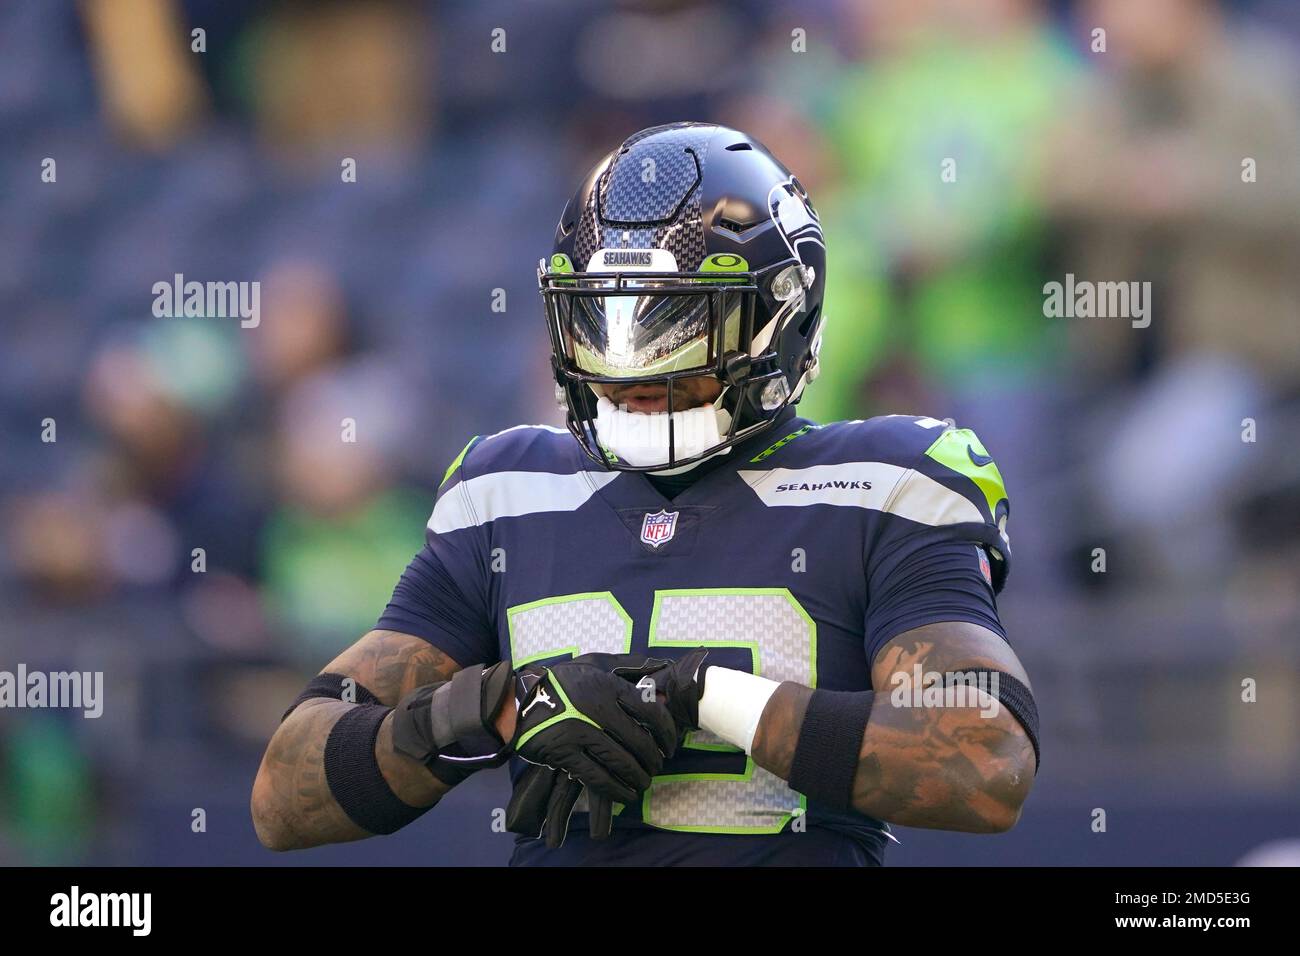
(714, 632)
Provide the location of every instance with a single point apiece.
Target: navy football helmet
(689, 250)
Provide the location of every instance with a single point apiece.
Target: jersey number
(768, 622)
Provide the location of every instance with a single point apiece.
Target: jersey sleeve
(941, 551)
(442, 596)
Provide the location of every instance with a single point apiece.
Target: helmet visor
(645, 330)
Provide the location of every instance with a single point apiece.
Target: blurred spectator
(341, 534)
(163, 471)
(49, 794)
(305, 328)
(978, 85)
(933, 304)
(325, 74)
(146, 71)
(1149, 181)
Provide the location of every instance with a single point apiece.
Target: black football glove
(544, 797)
(450, 726)
(595, 726)
(542, 803)
(681, 681)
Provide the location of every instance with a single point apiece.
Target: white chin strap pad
(641, 439)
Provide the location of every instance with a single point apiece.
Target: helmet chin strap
(641, 438)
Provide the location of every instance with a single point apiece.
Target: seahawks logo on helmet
(794, 216)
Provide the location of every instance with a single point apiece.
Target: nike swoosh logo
(979, 460)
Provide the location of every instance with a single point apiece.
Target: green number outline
(572, 650)
(753, 648)
(652, 642)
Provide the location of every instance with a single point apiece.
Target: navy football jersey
(797, 558)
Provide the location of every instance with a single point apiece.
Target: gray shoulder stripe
(875, 485)
(544, 428)
(511, 494)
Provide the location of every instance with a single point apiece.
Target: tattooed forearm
(947, 768)
(292, 805)
(391, 665)
(941, 767)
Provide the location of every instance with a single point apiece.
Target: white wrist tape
(733, 702)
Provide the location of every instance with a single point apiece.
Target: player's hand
(544, 798)
(679, 684)
(593, 725)
(542, 803)
(680, 681)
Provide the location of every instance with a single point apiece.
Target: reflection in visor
(630, 335)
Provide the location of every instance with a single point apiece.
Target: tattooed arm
(292, 805)
(945, 768)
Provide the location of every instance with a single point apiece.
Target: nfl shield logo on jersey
(659, 528)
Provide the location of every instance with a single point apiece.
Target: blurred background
(377, 304)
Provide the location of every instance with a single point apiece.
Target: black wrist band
(826, 756)
(332, 687)
(353, 775)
